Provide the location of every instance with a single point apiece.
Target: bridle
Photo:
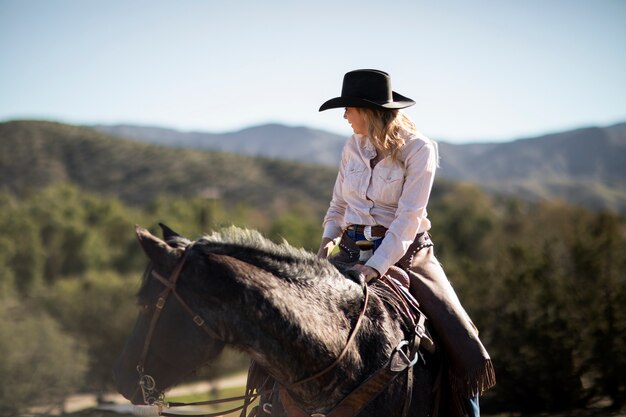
(152, 396)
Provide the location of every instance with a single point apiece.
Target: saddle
(397, 281)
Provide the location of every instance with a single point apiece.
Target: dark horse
(290, 312)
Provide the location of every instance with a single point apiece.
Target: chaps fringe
(474, 383)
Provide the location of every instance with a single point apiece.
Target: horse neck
(295, 329)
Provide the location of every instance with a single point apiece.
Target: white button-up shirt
(393, 194)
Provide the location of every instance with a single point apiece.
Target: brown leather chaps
(469, 366)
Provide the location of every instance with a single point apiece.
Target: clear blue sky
(479, 70)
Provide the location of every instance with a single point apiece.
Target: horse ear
(172, 238)
(167, 232)
(157, 250)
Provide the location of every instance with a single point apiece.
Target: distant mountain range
(270, 141)
(585, 166)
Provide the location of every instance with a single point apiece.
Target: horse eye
(143, 308)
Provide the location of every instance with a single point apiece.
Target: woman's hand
(368, 272)
(326, 247)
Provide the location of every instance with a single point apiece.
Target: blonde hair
(387, 128)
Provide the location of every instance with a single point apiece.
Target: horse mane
(289, 263)
(281, 259)
(251, 239)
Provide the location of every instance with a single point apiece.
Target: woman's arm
(420, 165)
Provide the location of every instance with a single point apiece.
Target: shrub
(39, 363)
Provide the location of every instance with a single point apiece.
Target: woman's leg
(472, 406)
(468, 363)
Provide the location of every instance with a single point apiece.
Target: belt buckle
(367, 232)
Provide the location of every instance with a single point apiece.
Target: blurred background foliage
(544, 282)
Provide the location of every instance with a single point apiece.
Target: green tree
(550, 302)
(39, 363)
(299, 228)
(599, 290)
(463, 217)
(21, 252)
(98, 310)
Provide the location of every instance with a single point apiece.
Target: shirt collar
(369, 151)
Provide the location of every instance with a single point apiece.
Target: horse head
(166, 343)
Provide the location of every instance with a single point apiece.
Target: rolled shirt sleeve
(420, 164)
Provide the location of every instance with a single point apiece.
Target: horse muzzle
(149, 392)
(135, 387)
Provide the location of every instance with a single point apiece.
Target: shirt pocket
(387, 184)
(353, 177)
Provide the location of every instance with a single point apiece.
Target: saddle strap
(410, 306)
(373, 386)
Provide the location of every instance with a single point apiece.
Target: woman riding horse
(378, 211)
(320, 334)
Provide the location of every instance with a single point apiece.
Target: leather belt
(374, 231)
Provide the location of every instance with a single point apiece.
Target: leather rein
(152, 396)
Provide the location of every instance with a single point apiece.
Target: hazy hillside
(271, 140)
(35, 154)
(584, 166)
(588, 153)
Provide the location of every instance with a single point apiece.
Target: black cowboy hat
(368, 88)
